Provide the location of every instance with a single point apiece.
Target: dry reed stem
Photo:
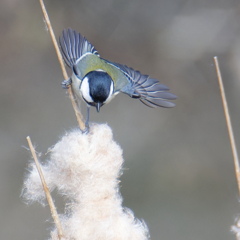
(229, 124)
(46, 190)
(59, 55)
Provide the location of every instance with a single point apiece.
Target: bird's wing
(74, 46)
(148, 90)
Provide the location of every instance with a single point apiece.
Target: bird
(97, 81)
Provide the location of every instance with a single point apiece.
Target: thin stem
(59, 55)
(229, 124)
(46, 190)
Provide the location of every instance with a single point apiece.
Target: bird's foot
(86, 130)
(66, 83)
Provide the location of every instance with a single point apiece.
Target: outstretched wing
(74, 46)
(148, 90)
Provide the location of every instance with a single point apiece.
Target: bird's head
(97, 88)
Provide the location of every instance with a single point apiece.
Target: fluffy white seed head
(86, 169)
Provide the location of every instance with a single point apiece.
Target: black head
(97, 88)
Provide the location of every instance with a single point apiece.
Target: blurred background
(178, 173)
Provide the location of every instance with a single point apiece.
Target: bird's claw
(66, 83)
(86, 130)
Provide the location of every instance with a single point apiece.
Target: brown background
(179, 173)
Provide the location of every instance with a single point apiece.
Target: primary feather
(148, 90)
(74, 46)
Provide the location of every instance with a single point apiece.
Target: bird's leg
(86, 130)
(66, 83)
(87, 121)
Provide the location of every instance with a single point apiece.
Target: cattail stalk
(60, 59)
(46, 190)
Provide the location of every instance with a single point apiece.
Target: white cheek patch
(110, 93)
(85, 90)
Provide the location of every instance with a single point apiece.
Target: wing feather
(148, 90)
(73, 46)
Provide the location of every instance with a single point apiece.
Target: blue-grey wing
(148, 90)
(73, 46)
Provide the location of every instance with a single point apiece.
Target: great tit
(97, 81)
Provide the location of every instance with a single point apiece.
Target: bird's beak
(98, 106)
